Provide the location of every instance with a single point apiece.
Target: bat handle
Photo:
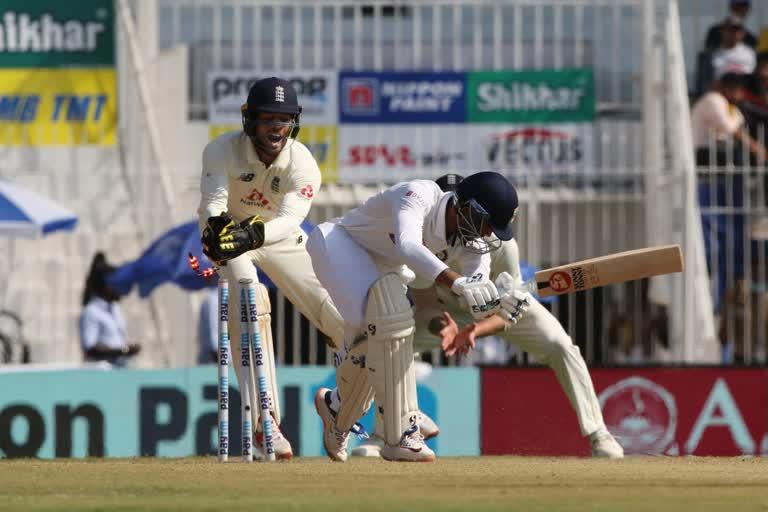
(529, 286)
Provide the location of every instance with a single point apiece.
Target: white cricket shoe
(334, 440)
(428, 427)
(412, 448)
(605, 445)
(370, 448)
(282, 447)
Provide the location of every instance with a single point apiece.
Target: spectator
(208, 328)
(738, 9)
(721, 140)
(103, 334)
(718, 125)
(744, 315)
(732, 55)
(755, 104)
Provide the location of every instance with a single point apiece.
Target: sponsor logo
(20, 32)
(307, 192)
(519, 96)
(641, 414)
(535, 146)
(560, 281)
(422, 95)
(237, 86)
(578, 278)
(399, 156)
(360, 96)
(246, 176)
(275, 185)
(256, 198)
(488, 306)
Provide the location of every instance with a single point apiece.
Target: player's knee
(558, 347)
(388, 312)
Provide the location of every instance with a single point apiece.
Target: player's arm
(214, 184)
(464, 340)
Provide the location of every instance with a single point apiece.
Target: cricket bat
(611, 269)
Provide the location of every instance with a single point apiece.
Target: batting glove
(514, 304)
(478, 294)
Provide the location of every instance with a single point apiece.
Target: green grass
(478, 483)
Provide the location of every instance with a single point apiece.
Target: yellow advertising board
(320, 139)
(58, 107)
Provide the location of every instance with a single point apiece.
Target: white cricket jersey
(405, 225)
(236, 181)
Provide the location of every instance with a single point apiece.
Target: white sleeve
(214, 184)
(295, 205)
(409, 213)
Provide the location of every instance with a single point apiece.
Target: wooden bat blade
(610, 269)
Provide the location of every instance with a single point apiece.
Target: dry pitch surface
(478, 483)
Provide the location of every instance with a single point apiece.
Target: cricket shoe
(605, 445)
(280, 444)
(334, 440)
(428, 427)
(411, 448)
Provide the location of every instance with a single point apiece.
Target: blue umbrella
(166, 260)
(27, 214)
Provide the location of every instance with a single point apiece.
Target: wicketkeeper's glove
(237, 239)
(214, 228)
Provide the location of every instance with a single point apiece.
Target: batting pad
(264, 309)
(354, 390)
(390, 327)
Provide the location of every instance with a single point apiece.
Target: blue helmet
(492, 201)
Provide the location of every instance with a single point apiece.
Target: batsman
(257, 186)
(366, 259)
(523, 322)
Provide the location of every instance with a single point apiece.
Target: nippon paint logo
(21, 32)
(422, 95)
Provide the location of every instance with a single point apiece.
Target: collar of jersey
(282, 160)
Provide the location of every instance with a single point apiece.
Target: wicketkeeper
(256, 188)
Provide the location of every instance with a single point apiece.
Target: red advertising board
(671, 411)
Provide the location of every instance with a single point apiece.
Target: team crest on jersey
(275, 186)
(307, 192)
(246, 176)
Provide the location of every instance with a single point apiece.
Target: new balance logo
(279, 94)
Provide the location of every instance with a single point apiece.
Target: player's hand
(214, 228)
(505, 282)
(444, 327)
(236, 239)
(462, 343)
(514, 304)
(479, 295)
